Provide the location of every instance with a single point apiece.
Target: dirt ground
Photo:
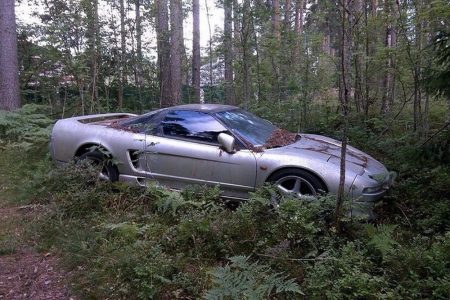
(24, 272)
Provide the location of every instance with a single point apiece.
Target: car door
(186, 151)
(129, 139)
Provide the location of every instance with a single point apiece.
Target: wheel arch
(84, 148)
(283, 169)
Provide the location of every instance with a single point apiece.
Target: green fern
(25, 129)
(168, 201)
(246, 280)
(381, 238)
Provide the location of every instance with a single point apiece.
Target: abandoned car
(217, 145)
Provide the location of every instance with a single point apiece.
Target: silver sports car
(216, 145)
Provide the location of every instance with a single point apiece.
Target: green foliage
(146, 270)
(128, 242)
(25, 129)
(243, 279)
(381, 238)
(421, 268)
(193, 197)
(439, 74)
(131, 242)
(156, 243)
(345, 273)
(424, 196)
(171, 201)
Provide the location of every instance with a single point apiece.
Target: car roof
(203, 107)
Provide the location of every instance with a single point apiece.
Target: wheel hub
(296, 186)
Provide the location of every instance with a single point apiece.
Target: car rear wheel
(297, 183)
(108, 171)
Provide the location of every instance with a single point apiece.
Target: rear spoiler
(102, 117)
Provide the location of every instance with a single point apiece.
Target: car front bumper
(364, 200)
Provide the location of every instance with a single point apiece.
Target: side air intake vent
(134, 158)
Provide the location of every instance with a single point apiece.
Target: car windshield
(253, 129)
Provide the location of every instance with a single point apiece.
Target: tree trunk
(298, 28)
(196, 49)
(246, 31)
(276, 19)
(122, 54)
(228, 55)
(357, 61)
(366, 101)
(9, 71)
(393, 64)
(326, 42)
(388, 80)
(346, 42)
(237, 51)
(417, 108)
(176, 51)
(210, 48)
(258, 63)
(374, 7)
(274, 53)
(93, 43)
(427, 28)
(162, 35)
(95, 57)
(139, 79)
(287, 16)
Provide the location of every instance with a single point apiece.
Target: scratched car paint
(218, 145)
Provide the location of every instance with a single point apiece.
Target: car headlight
(371, 190)
(379, 177)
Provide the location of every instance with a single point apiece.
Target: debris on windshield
(281, 137)
(119, 126)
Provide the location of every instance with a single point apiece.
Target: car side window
(192, 125)
(147, 124)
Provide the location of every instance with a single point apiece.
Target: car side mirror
(226, 141)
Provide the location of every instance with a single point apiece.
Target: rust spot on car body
(332, 149)
(363, 158)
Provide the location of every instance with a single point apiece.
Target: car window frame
(246, 143)
(159, 115)
(162, 113)
(161, 131)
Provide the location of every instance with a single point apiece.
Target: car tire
(298, 183)
(109, 172)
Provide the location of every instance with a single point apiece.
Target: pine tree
(9, 71)
(196, 49)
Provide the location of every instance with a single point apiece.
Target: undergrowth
(127, 242)
(124, 241)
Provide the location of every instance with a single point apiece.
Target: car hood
(356, 160)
